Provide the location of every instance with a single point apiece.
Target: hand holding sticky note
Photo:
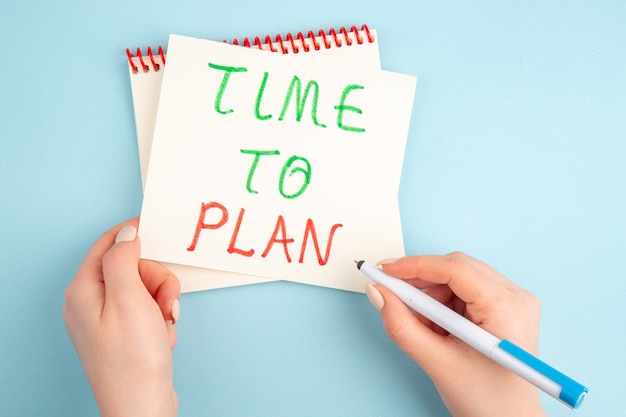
(261, 168)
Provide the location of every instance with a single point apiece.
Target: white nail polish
(386, 261)
(374, 296)
(126, 234)
(175, 310)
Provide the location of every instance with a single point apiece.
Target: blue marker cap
(572, 393)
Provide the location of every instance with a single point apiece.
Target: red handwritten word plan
(272, 166)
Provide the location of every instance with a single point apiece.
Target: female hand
(119, 313)
(469, 383)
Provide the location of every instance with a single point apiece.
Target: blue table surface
(516, 155)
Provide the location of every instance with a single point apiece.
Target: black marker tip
(358, 264)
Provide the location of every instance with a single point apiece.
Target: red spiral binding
(323, 35)
(297, 43)
(144, 67)
(300, 36)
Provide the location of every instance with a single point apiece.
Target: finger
(445, 296)
(485, 296)
(93, 260)
(87, 288)
(120, 268)
(428, 348)
(471, 280)
(164, 287)
(172, 334)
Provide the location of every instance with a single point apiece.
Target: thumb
(411, 332)
(120, 267)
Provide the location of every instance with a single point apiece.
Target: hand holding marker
(503, 352)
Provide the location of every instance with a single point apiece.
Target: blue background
(516, 155)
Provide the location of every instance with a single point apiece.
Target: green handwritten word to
(294, 91)
(288, 168)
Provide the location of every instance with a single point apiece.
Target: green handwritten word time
(294, 91)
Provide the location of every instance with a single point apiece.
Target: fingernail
(386, 261)
(126, 234)
(374, 296)
(175, 310)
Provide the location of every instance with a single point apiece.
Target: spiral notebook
(353, 48)
(202, 153)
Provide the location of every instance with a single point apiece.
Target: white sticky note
(246, 177)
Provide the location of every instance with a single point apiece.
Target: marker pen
(538, 373)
